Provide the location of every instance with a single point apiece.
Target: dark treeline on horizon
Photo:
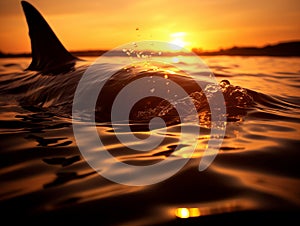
(280, 49)
(291, 48)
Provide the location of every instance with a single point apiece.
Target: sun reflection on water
(225, 206)
(187, 212)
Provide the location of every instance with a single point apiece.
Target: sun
(178, 40)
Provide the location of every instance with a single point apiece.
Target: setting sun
(221, 24)
(178, 39)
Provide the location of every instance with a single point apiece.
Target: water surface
(255, 175)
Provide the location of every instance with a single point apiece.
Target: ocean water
(254, 177)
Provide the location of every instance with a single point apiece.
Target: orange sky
(105, 24)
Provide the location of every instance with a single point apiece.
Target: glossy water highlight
(137, 86)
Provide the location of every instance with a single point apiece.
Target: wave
(55, 94)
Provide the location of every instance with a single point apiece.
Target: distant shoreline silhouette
(281, 49)
(291, 48)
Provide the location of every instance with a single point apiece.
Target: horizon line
(193, 49)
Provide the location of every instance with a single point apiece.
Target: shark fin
(48, 53)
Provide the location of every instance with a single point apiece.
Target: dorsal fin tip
(48, 53)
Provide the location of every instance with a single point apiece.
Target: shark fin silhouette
(48, 53)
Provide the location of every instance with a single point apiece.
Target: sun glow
(178, 39)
